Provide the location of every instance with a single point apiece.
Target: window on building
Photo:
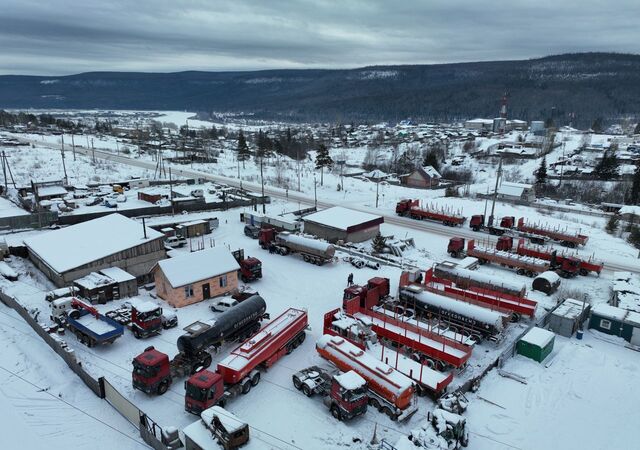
(223, 281)
(605, 324)
(188, 291)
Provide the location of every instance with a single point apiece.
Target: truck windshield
(144, 371)
(196, 393)
(147, 316)
(354, 394)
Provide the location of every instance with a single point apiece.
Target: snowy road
(618, 264)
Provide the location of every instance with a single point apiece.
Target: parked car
(223, 304)
(169, 319)
(252, 231)
(175, 241)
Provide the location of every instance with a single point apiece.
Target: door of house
(206, 291)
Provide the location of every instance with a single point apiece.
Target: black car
(252, 231)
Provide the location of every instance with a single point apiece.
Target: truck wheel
(584, 272)
(255, 379)
(246, 387)
(297, 383)
(163, 387)
(374, 403)
(388, 412)
(454, 254)
(206, 362)
(244, 279)
(305, 258)
(306, 390)
(136, 333)
(289, 348)
(302, 338)
(335, 412)
(520, 272)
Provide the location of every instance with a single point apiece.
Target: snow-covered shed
(516, 191)
(70, 253)
(194, 277)
(567, 317)
(536, 344)
(342, 224)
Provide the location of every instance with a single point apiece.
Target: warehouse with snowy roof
(73, 252)
(342, 224)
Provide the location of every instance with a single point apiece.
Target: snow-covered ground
(275, 410)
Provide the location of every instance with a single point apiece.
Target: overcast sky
(56, 37)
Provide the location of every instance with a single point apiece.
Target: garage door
(635, 336)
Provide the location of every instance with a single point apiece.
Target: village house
(194, 277)
(422, 177)
(518, 192)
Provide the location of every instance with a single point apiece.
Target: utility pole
(495, 191)
(93, 151)
(73, 147)
(4, 171)
(264, 210)
(298, 166)
(377, 187)
(315, 192)
(64, 166)
(562, 166)
(173, 208)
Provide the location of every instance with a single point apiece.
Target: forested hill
(588, 84)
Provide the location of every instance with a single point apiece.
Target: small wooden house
(566, 319)
(194, 277)
(422, 177)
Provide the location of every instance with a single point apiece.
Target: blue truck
(90, 327)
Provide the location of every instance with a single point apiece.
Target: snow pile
(350, 380)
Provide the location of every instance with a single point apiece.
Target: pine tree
(597, 125)
(379, 243)
(612, 224)
(637, 129)
(634, 237)
(431, 159)
(607, 167)
(541, 173)
(323, 159)
(243, 148)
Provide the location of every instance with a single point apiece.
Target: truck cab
(266, 236)
(151, 372)
(146, 319)
(505, 243)
(202, 391)
(404, 206)
(476, 222)
(348, 397)
(456, 247)
(250, 269)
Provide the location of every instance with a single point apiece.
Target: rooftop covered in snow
(343, 218)
(193, 267)
(77, 245)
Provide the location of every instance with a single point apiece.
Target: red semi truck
(238, 372)
(412, 208)
(476, 223)
(390, 391)
(250, 268)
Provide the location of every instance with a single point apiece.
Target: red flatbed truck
(584, 266)
(565, 238)
(412, 208)
(238, 372)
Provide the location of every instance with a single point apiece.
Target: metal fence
(37, 220)
(150, 432)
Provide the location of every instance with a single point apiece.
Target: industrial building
(342, 224)
(194, 277)
(70, 253)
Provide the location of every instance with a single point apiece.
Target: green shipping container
(536, 344)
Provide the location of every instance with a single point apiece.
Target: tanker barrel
(225, 325)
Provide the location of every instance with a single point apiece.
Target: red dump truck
(284, 243)
(565, 237)
(390, 391)
(238, 372)
(412, 208)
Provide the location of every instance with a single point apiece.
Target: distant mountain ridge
(588, 84)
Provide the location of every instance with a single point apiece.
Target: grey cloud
(69, 36)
